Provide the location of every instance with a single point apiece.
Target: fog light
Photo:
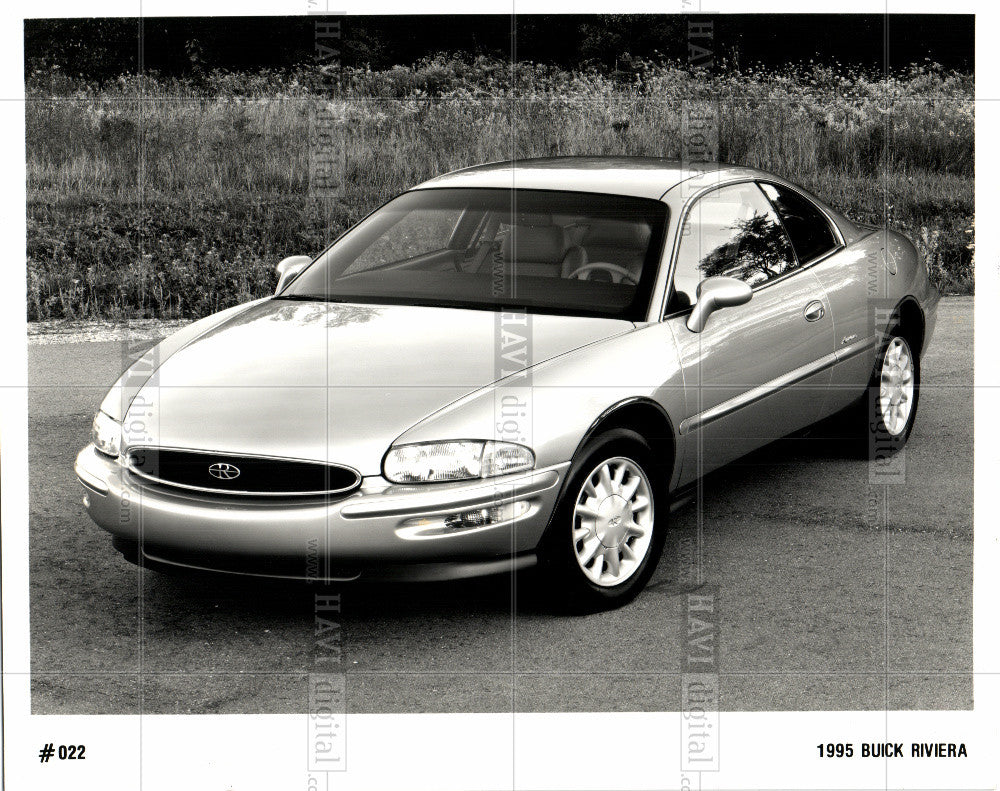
(481, 517)
(424, 528)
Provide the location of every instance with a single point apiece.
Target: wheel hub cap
(612, 523)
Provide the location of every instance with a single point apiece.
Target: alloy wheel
(896, 386)
(613, 521)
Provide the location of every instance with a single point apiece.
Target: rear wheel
(892, 394)
(604, 541)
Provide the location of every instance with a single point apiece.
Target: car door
(757, 371)
(853, 278)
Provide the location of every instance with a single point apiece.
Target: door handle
(814, 311)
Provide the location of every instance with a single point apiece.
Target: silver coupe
(515, 365)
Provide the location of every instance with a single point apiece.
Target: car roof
(642, 177)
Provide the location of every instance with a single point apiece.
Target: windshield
(537, 250)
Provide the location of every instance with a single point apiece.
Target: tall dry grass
(174, 198)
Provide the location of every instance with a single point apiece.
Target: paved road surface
(822, 603)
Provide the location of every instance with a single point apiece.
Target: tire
(622, 541)
(892, 395)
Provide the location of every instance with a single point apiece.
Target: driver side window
(732, 231)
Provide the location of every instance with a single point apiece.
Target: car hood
(337, 382)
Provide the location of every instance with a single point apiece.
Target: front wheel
(604, 541)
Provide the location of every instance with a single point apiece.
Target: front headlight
(106, 434)
(455, 461)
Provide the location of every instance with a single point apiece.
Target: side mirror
(289, 268)
(714, 293)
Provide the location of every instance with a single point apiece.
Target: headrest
(538, 244)
(617, 233)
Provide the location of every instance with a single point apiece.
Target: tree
(758, 252)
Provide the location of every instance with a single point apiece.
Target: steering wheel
(618, 273)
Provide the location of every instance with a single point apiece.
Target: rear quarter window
(807, 226)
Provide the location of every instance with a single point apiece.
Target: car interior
(584, 248)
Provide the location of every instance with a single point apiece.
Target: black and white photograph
(502, 397)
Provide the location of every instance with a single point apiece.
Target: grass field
(175, 198)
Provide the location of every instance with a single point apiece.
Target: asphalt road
(832, 593)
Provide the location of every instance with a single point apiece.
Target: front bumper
(381, 530)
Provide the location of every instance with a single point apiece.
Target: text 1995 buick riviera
(512, 365)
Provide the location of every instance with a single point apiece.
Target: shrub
(175, 197)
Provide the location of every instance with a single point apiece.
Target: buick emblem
(223, 471)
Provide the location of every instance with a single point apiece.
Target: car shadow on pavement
(523, 593)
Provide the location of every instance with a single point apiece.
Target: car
(516, 365)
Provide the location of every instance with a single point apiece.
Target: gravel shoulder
(44, 333)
